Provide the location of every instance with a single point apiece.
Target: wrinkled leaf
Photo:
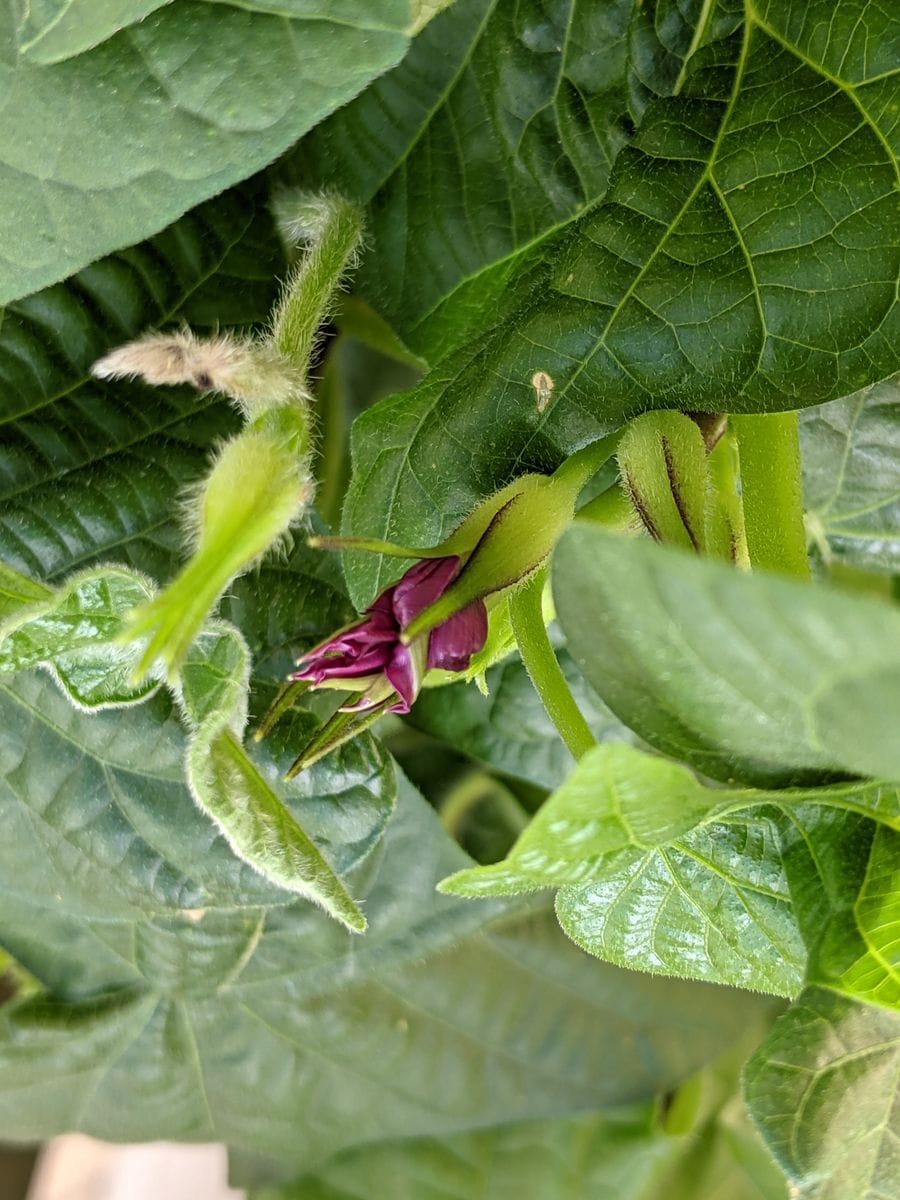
(246, 1024)
(73, 634)
(619, 798)
(752, 677)
(851, 475)
(90, 470)
(501, 123)
(109, 146)
(823, 1091)
(744, 255)
(141, 829)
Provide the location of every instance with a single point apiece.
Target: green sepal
(662, 460)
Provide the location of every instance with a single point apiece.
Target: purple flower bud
(370, 650)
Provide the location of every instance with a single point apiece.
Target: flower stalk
(260, 484)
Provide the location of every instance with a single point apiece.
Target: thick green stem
(540, 661)
(611, 509)
(334, 229)
(586, 462)
(769, 448)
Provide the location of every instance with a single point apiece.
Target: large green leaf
(106, 793)
(744, 256)
(501, 123)
(851, 475)
(91, 470)
(823, 1091)
(823, 1087)
(107, 147)
(751, 677)
(252, 1022)
(613, 1156)
(52, 30)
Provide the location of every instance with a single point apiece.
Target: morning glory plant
(449, 543)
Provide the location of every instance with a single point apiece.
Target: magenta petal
(402, 678)
(454, 642)
(342, 666)
(422, 584)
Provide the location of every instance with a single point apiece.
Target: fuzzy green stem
(769, 449)
(611, 509)
(541, 664)
(334, 227)
(586, 462)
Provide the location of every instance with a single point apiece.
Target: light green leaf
(73, 634)
(244, 1024)
(752, 677)
(230, 788)
(823, 1091)
(744, 255)
(52, 30)
(619, 798)
(17, 591)
(660, 873)
(851, 475)
(111, 145)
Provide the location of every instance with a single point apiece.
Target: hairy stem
(769, 449)
(334, 229)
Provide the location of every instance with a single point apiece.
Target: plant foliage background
(686, 206)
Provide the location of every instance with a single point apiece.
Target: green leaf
(142, 829)
(661, 873)
(17, 591)
(758, 678)
(844, 874)
(231, 789)
(697, 1142)
(609, 1156)
(89, 470)
(851, 475)
(72, 634)
(508, 729)
(619, 798)
(823, 1091)
(108, 147)
(244, 1024)
(52, 30)
(695, 283)
(501, 123)
(823, 1088)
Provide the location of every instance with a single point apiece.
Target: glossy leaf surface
(750, 677)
